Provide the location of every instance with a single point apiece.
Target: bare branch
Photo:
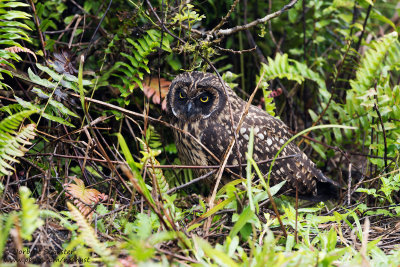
(256, 22)
(224, 19)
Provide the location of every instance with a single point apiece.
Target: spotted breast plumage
(198, 105)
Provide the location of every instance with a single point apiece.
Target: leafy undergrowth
(320, 235)
(90, 174)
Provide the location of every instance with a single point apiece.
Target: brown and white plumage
(209, 121)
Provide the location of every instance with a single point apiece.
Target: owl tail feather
(322, 178)
(326, 188)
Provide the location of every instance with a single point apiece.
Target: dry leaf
(83, 197)
(17, 49)
(276, 93)
(151, 89)
(63, 62)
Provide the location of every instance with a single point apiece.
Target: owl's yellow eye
(181, 95)
(204, 99)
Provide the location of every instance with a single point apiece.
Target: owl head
(195, 95)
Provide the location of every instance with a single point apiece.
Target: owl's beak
(189, 110)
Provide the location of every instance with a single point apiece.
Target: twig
(303, 21)
(384, 135)
(237, 52)
(172, 190)
(296, 236)
(250, 39)
(155, 166)
(349, 186)
(364, 26)
(364, 243)
(38, 28)
(235, 133)
(78, 20)
(162, 24)
(97, 28)
(228, 150)
(256, 22)
(332, 93)
(177, 255)
(224, 19)
(79, 6)
(132, 113)
(278, 50)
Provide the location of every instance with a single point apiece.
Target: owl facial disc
(196, 96)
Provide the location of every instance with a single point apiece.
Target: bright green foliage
(390, 186)
(229, 78)
(52, 109)
(6, 223)
(268, 102)
(149, 158)
(27, 219)
(315, 46)
(283, 67)
(371, 92)
(29, 215)
(12, 141)
(132, 73)
(89, 237)
(11, 30)
(134, 166)
(187, 14)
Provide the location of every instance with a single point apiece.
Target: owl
(197, 104)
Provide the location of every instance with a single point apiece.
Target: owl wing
(269, 136)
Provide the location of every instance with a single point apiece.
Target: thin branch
(224, 19)
(156, 166)
(162, 24)
(217, 166)
(228, 150)
(384, 135)
(236, 51)
(235, 133)
(191, 182)
(36, 19)
(364, 26)
(97, 28)
(256, 22)
(349, 186)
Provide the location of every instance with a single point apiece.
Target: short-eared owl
(197, 104)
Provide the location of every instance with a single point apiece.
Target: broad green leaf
(244, 217)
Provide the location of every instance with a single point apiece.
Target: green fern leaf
(13, 30)
(89, 236)
(280, 67)
(11, 144)
(149, 158)
(29, 216)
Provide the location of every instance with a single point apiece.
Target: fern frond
(11, 142)
(139, 50)
(54, 108)
(13, 30)
(30, 215)
(89, 236)
(149, 157)
(381, 57)
(383, 50)
(5, 229)
(18, 49)
(11, 123)
(283, 67)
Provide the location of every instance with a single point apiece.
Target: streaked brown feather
(215, 133)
